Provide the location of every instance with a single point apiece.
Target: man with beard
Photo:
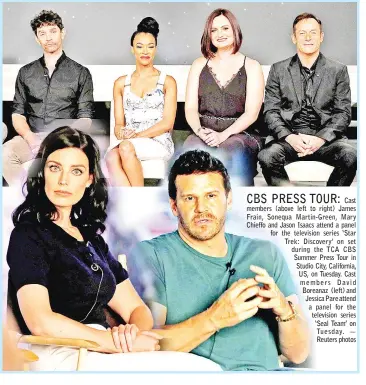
(224, 297)
(50, 92)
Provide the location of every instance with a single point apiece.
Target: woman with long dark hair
(62, 275)
(145, 104)
(224, 94)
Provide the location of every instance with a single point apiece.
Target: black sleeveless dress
(219, 106)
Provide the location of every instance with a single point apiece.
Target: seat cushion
(305, 171)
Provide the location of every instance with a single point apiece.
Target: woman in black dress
(225, 94)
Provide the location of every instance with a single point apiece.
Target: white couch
(103, 80)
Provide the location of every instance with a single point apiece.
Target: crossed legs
(123, 165)
(124, 161)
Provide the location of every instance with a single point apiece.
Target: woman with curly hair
(62, 275)
(145, 104)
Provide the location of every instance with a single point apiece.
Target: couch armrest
(69, 342)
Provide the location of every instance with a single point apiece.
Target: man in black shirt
(308, 108)
(49, 92)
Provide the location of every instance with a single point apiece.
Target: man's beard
(203, 234)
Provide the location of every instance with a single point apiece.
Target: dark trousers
(339, 154)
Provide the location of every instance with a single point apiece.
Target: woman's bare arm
(119, 115)
(191, 102)
(41, 320)
(127, 303)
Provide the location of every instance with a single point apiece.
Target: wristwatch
(290, 317)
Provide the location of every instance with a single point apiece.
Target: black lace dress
(219, 106)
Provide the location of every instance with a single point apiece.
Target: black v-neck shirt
(44, 254)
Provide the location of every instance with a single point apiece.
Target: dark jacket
(331, 100)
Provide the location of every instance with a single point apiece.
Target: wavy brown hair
(207, 48)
